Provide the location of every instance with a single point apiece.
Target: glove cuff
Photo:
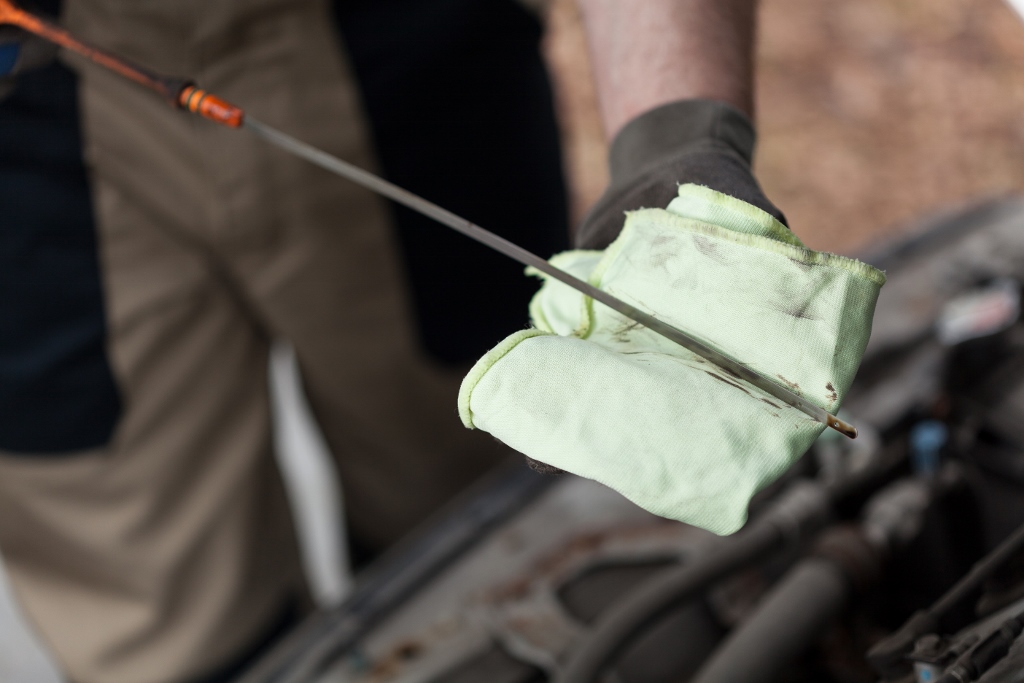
(659, 134)
(699, 142)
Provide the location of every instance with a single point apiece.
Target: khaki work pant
(163, 555)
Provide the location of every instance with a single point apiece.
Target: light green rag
(598, 395)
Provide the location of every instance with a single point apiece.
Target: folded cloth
(596, 394)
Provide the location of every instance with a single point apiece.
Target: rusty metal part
(398, 576)
(502, 601)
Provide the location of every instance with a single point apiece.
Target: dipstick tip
(841, 426)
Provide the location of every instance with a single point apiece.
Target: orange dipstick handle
(198, 101)
(180, 93)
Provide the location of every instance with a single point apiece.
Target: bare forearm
(647, 53)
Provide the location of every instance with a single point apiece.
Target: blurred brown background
(871, 113)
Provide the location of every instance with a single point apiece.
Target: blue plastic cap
(929, 435)
(926, 440)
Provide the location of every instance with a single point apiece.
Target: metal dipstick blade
(416, 203)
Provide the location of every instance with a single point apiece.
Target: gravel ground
(871, 113)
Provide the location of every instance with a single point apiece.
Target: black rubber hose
(802, 509)
(791, 617)
(787, 621)
(657, 598)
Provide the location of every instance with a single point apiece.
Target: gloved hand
(596, 394)
(704, 142)
(20, 52)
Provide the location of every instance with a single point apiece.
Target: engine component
(799, 513)
(890, 656)
(971, 665)
(847, 558)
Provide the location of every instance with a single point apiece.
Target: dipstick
(514, 251)
(183, 94)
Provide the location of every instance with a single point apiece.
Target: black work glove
(21, 52)
(704, 142)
